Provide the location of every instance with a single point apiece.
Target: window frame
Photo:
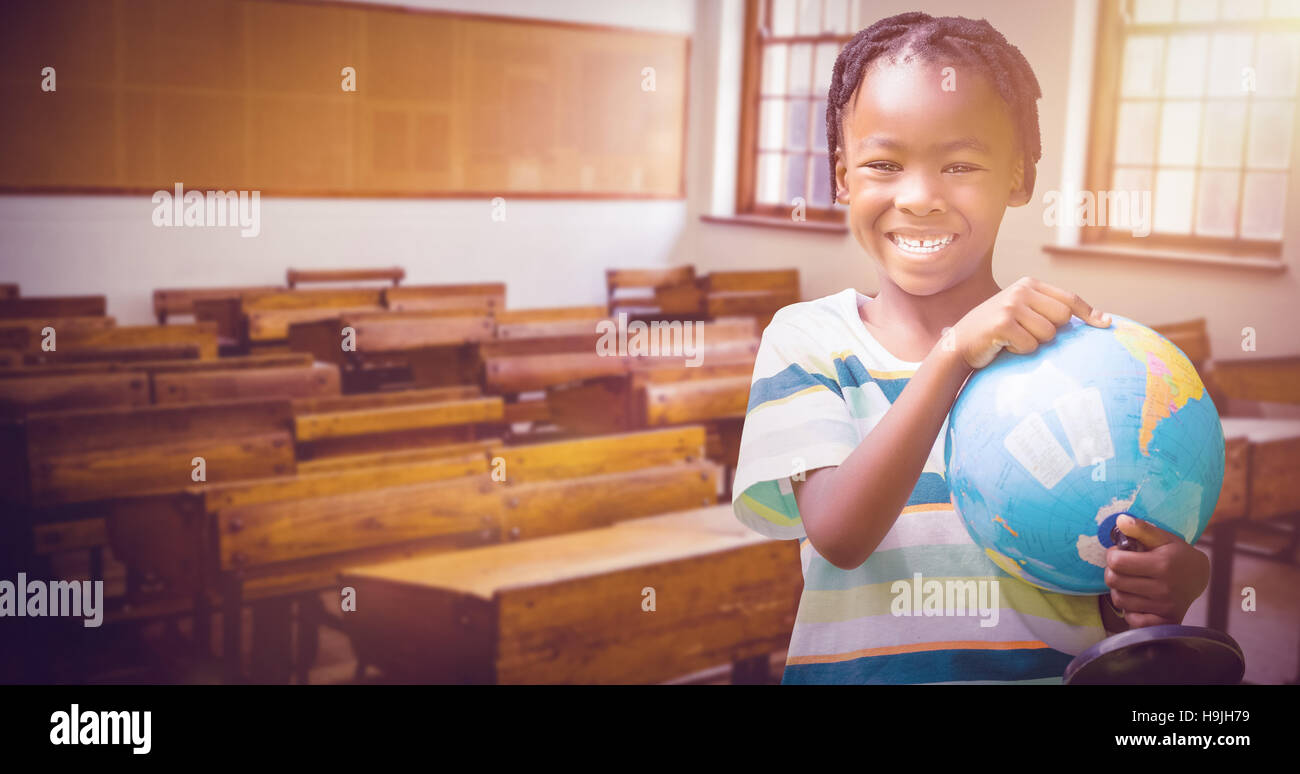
(755, 37)
(1100, 164)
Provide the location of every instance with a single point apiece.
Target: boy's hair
(932, 39)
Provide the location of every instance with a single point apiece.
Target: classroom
(459, 341)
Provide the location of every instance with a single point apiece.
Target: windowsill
(1172, 256)
(785, 223)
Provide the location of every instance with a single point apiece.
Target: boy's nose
(918, 195)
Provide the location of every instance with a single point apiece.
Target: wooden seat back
(80, 456)
(168, 302)
(297, 381)
(486, 298)
(52, 306)
(394, 274)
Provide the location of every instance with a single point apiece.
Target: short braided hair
(940, 39)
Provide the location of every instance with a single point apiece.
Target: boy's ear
(1019, 194)
(841, 183)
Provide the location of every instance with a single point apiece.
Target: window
(790, 51)
(1195, 103)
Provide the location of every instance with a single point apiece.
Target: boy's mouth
(921, 245)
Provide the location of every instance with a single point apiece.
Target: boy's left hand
(1155, 586)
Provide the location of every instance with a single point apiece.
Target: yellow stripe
(891, 374)
(790, 397)
(770, 514)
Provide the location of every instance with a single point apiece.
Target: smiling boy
(933, 127)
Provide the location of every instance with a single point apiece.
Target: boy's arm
(847, 510)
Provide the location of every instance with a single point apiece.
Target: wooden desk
(568, 608)
(1259, 483)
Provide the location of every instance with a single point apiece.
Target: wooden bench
(485, 298)
(569, 608)
(26, 334)
(255, 361)
(653, 293)
(83, 456)
(279, 547)
(267, 316)
(295, 381)
(168, 302)
(417, 349)
(52, 306)
(128, 342)
(394, 274)
(759, 294)
(77, 463)
(162, 537)
(370, 423)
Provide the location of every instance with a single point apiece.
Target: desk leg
(1225, 541)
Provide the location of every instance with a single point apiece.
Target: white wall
(1152, 292)
(547, 252)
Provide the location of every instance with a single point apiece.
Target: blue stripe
(786, 383)
(930, 489)
(933, 666)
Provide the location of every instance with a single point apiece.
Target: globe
(1044, 451)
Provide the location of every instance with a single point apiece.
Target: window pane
(795, 178)
(1142, 55)
(1229, 55)
(1196, 10)
(819, 125)
(800, 68)
(783, 17)
(1185, 70)
(1173, 201)
(837, 17)
(1147, 11)
(1270, 134)
(1180, 133)
(774, 61)
(771, 125)
(1243, 9)
(769, 179)
(1216, 204)
(1137, 184)
(1262, 205)
(1225, 127)
(825, 67)
(810, 17)
(1135, 137)
(1276, 74)
(797, 124)
(821, 176)
(1279, 9)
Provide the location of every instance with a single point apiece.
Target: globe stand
(1171, 654)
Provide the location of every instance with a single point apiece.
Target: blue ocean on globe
(1044, 451)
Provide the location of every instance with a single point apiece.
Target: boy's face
(907, 173)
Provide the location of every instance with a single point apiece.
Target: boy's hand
(1155, 586)
(1019, 318)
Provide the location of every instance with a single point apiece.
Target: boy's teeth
(927, 245)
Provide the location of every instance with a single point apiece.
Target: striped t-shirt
(909, 613)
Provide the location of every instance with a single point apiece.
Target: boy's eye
(883, 166)
(962, 168)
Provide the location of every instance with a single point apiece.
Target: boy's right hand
(1019, 318)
